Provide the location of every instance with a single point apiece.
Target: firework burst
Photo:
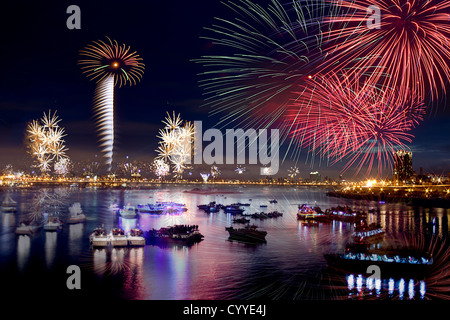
(269, 51)
(110, 65)
(45, 141)
(409, 50)
(336, 117)
(175, 146)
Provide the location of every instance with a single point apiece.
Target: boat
(247, 234)
(307, 212)
(364, 233)
(9, 205)
(263, 206)
(171, 207)
(241, 220)
(273, 201)
(345, 214)
(394, 264)
(211, 207)
(52, 224)
(26, 228)
(183, 234)
(117, 238)
(148, 208)
(136, 237)
(99, 238)
(234, 209)
(76, 214)
(128, 212)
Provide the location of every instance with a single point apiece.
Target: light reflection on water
(288, 266)
(359, 287)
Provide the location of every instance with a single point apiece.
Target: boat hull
(247, 236)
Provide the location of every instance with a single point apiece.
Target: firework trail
(337, 118)
(110, 65)
(409, 51)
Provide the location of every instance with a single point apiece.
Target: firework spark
(269, 52)
(293, 172)
(45, 141)
(176, 145)
(240, 170)
(409, 50)
(337, 117)
(109, 65)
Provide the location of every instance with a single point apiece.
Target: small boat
(248, 234)
(52, 224)
(136, 237)
(148, 208)
(307, 212)
(234, 209)
(345, 214)
(128, 212)
(273, 201)
(9, 205)
(118, 238)
(183, 234)
(241, 220)
(25, 228)
(364, 233)
(76, 214)
(99, 238)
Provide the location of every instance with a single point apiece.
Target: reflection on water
(50, 247)
(23, 251)
(286, 267)
(359, 287)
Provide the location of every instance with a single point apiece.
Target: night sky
(39, 72)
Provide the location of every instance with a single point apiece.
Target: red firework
(338, 118)
(409, 51)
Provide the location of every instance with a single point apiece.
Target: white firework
(215, 172)
(240, 170)
(45, 141)
(176, 143)
(160, 168)
(62, 166)
(293, 172)
(104, 114)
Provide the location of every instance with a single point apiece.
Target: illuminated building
(403, 170)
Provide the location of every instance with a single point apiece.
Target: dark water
(289, 266)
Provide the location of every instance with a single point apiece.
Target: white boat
(9, 205)
(25, 228)
(128, 212)
(52, 224)
(118, 238)
(136, 237)
(76, 214)
(99, 238)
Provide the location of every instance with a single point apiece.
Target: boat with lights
(345, 214)
(182, 234)
(117, 238)
(136, 238)
(249, 233)
(99, 238)
(128, 212)
(368, 233)
(307, 212)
